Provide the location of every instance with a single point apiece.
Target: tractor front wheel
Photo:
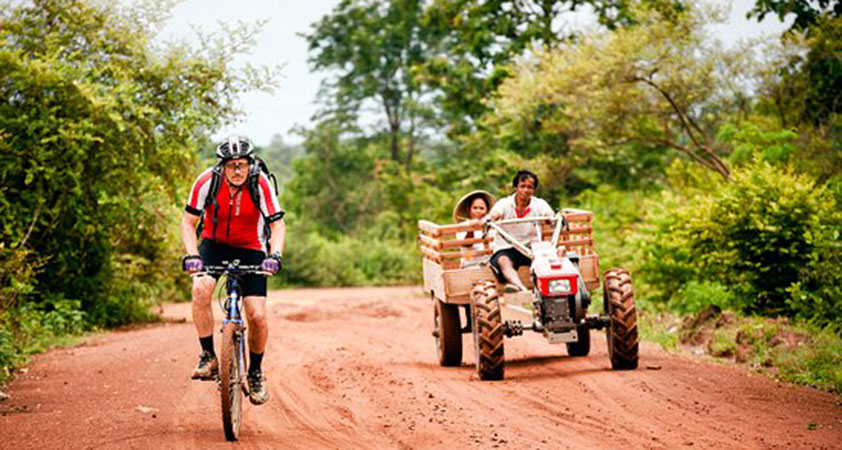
(488, 331)
(621, 332)
(582, 346)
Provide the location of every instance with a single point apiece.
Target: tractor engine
(558, 295)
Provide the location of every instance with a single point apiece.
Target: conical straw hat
(462, 211)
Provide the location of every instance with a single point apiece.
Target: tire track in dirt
(356, 368)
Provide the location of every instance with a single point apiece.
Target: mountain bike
(232, 376)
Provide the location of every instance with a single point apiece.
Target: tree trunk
(394, 131)
(410, 142)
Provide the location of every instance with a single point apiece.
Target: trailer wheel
(448, 333)
(621, 332)
(488, 331)
(583, 345)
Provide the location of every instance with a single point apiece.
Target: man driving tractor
(521, 204)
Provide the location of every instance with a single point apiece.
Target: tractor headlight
(560, 286)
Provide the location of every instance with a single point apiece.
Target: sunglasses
(236, 166)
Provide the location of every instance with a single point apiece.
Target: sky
(267, 115)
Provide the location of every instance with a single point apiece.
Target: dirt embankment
(356, 368)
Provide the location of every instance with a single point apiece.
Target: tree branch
(688, 124)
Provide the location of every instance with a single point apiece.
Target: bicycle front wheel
(231, 382)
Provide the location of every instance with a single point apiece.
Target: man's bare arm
(188, 233)
(278, 239)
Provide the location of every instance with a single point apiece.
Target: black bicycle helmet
(235, 147)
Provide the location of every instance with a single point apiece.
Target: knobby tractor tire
(448, 333)
(230, 382)
(583, 345)
(488, 331)
(621, 333)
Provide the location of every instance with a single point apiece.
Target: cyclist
(233, 228)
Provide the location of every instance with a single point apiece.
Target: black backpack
(255, 169)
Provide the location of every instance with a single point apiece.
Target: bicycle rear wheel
(231, 382)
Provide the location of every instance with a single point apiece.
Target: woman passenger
(473, 206)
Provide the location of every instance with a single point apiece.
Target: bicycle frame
(232, 314)
(232, 382)
(231, 307)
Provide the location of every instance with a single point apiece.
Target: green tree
(279, 156)
(807, 12)
(660, 83)
(771, 236)
(332, 187)
(476, 41)
(373, 46)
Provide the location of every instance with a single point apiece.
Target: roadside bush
(314, 258)
(8, 355)
(617, 217)
(696, 296)
(34, 327)
(770, 235)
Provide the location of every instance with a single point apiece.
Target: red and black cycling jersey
(239, 222)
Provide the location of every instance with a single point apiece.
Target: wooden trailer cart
(457, 275)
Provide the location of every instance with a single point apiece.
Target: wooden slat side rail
(436, 230)
(429, 242)
(459, 227)
(466, 254)
(459, 243)
(579, 236)
(437, 244)
(548, 231)
(429, 228)
(571, 243)
(432, 255)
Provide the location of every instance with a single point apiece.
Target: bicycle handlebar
(233, 270)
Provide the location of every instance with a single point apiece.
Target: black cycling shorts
(214, 254)
(518, 260)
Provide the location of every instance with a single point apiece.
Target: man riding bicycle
(234, 224)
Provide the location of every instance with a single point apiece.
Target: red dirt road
(356, 368)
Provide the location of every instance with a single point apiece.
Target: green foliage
(766, 235)
(634, 92)
(817, 364)
(618, 216)
(807, 12)
(658, 327)
(332, 182)
(373, 45)
(802, 82)
(367, 259)
(17, 275)
(279, 156)
(33, 328)
(696, 296)
(407, 198)
(822, 71)
(479, 39)
(749, 142)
